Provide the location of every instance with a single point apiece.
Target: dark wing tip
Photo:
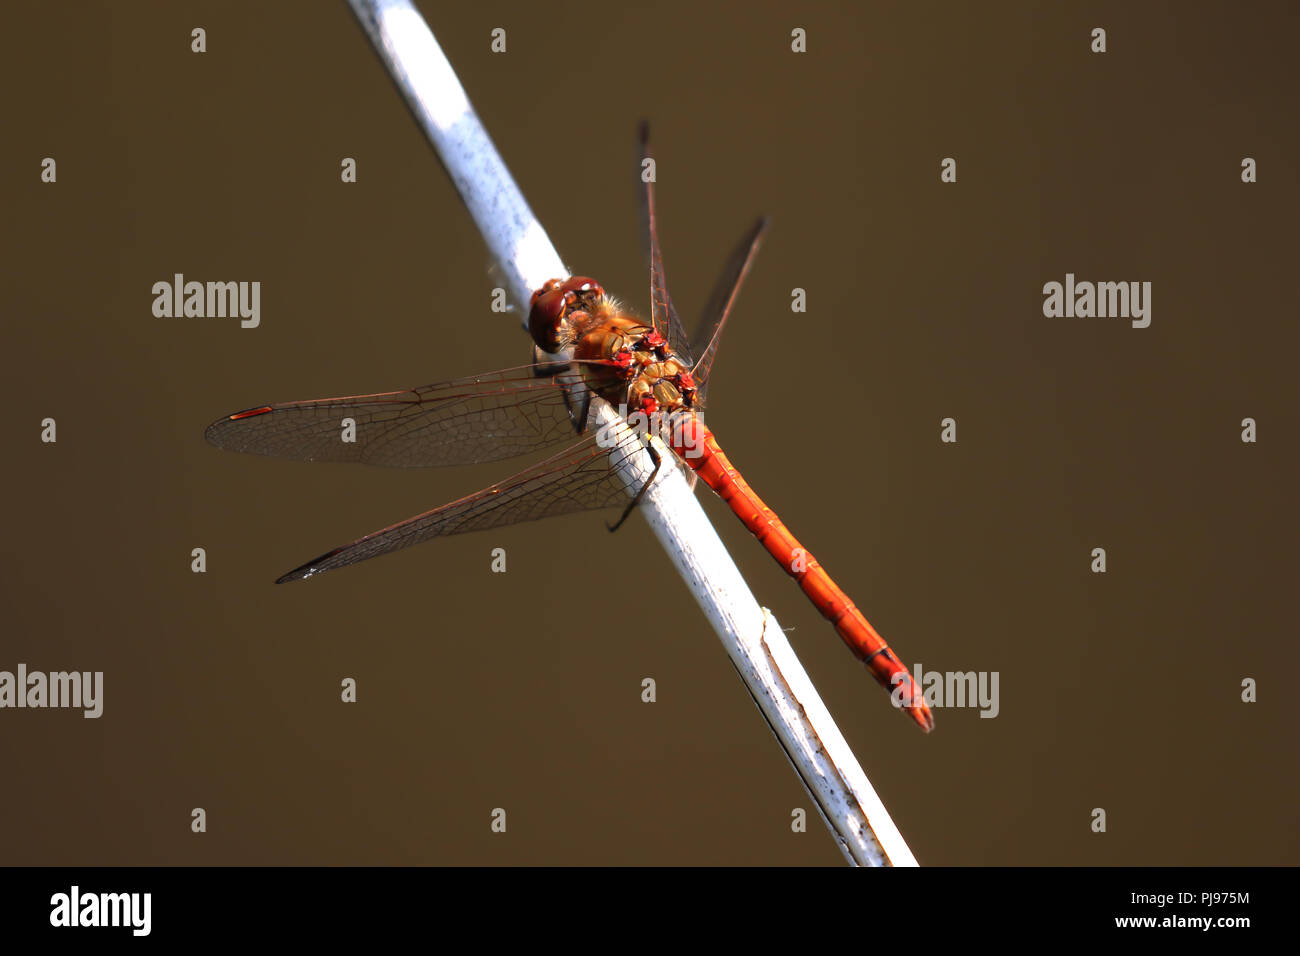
(312, 567)
(758, 230)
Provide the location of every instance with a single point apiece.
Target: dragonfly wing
(662, 313)
(714, 318)
(477, 419)
(580, 478)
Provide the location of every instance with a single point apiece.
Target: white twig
(750, 634)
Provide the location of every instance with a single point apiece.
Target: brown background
(522, 690)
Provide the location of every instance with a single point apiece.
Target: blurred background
(522, 690)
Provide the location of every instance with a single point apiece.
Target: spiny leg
(658, 460)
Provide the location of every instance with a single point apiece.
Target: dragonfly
(588, 349)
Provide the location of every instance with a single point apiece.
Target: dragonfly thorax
(627, 362)
(632, 365)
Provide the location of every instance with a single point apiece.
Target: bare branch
(749, 633)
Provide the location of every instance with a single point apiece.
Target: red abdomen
(699, 449)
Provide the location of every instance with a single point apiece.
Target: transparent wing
(713, 319)
(477, 419)
(580, 478)
(662, 313)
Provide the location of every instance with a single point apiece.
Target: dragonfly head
(554, 304)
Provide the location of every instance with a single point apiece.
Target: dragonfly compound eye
(546, 318)
(549, 286)
(583, 284)
(552, 305)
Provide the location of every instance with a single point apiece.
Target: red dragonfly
(655, 375)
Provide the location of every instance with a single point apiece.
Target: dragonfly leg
(658, 460)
